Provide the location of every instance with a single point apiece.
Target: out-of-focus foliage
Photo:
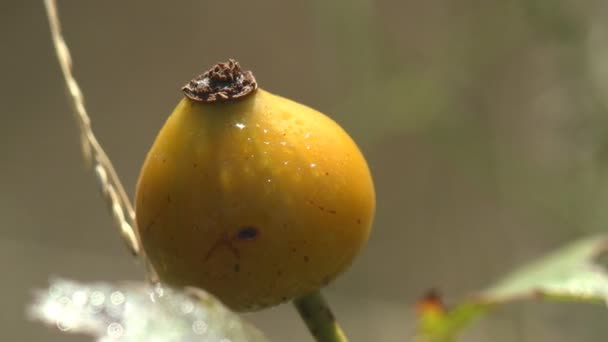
(137, 312)
(438, 324)
(573, 273)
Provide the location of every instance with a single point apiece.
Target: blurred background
(484, 123)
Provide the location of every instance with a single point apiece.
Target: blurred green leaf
(438, 324)
(139, 312)
(557, 20)
(571, 273)
(574, 273)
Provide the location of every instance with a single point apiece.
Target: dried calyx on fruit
(251, 196)
(224, 82)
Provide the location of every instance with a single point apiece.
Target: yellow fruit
(251, 196)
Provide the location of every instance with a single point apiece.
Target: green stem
(319, 319)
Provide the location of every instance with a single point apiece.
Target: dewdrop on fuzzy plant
(251, 196)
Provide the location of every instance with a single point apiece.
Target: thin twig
(319, 319)
(109, 183)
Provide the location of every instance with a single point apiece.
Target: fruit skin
(257, 201)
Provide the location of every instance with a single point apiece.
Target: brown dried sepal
(222, 83)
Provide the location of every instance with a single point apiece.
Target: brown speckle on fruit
(247, 233)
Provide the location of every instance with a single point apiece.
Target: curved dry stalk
(109, 183)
